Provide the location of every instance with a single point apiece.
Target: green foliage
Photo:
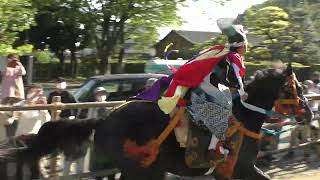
(5, 49)
(16, 16)
(258, 53)
(300, 41)
(59, 26)
(44, 57)
(271, 24)
(267, 22)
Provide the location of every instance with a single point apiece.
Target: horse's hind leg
(3, 170)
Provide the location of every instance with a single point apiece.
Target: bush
(45, 57)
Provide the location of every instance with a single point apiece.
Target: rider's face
(242, 50)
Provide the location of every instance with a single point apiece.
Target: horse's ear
(289, 70)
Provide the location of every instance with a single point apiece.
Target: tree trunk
(104, 63)
(73, 64)
(121, 54)
(75, 68)
(120, 61)
(61, 67)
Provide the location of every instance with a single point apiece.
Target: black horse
(141, 121)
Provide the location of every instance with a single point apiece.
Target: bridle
(290, 106)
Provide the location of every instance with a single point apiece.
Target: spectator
(12, 83)
(9, 117)
(99, 160)
(66, 97)
(311, 89)
(316, 78)
(100, 95)
(29, 122)
(302, 131)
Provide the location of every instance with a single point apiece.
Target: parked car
(161, 65)
(120, 86)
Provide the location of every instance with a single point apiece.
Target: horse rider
(210, 103)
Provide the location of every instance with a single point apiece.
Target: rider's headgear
(235, 33)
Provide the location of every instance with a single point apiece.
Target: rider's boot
(218, 152)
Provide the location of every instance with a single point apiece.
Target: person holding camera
(12, 83)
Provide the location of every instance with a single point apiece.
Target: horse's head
(291, 100)
(274, 88)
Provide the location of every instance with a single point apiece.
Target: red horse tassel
(148, 153)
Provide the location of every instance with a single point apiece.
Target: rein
(281, 111)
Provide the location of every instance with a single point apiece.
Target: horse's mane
(262, 91)
(266, 78)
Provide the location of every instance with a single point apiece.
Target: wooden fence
(55, 108)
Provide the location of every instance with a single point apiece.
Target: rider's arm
(236, 71)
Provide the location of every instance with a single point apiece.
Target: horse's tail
(65, 135)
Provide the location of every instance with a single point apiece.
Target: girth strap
(242, 130)
(226, 169)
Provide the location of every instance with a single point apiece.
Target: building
(183, 41)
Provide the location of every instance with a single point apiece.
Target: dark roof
(127, 76)
(204, 36)
(196, 37)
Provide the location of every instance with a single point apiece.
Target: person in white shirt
(29, 122)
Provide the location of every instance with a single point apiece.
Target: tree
(109, 21)
(59, 27)
(140, 37)
(303, 46)
(270, 23)
(16, 16)
(304, 27)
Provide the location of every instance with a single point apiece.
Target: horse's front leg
(245, 167)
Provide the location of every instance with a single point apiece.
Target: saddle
(196, 140)
(196, 152)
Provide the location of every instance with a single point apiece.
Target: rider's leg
(214, 145)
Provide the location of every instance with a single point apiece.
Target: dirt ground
(296, 168)
(306, 177)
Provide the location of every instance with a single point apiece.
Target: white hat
(308, 83)
(235, 33)
(100, 89)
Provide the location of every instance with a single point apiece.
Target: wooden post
(55, 112)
